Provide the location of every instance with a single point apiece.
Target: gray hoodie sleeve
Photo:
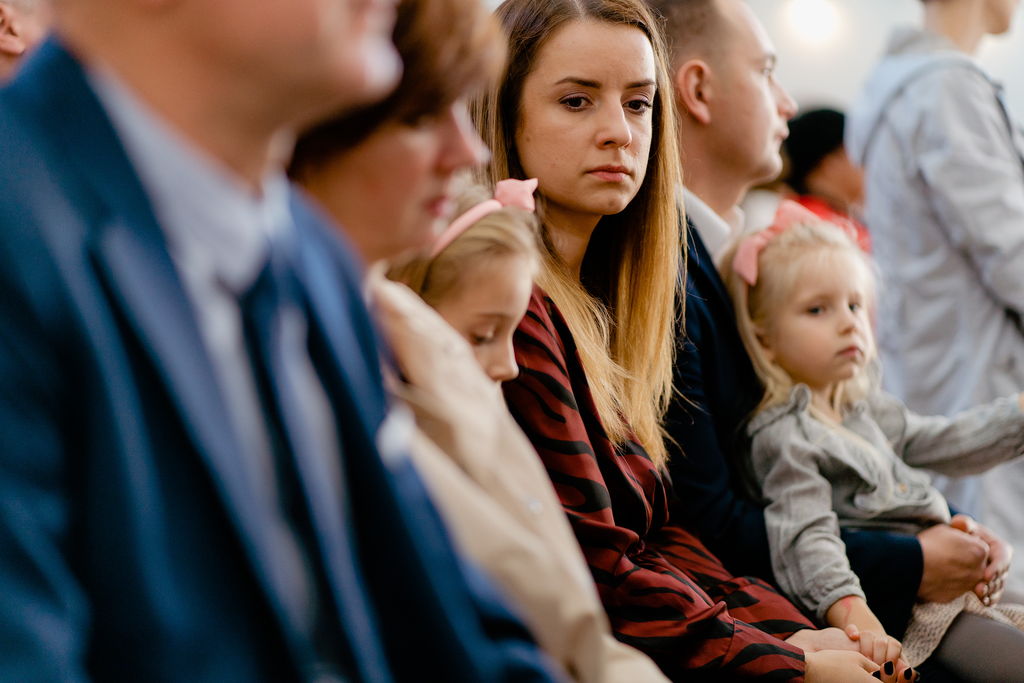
(974, 175)
(808, 556)
(969, 443)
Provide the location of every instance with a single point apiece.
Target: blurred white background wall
(828, 47)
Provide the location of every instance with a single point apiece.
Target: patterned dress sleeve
(616, 502)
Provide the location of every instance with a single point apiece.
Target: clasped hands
(963, 556)
(848, 654)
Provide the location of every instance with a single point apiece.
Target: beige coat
(495, 495)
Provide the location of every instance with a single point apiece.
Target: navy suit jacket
(719, 390)
(130, 546)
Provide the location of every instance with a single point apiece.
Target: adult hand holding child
(874, 645)
(963, 556)
(997, 564)
(954, 562)
(837, 666)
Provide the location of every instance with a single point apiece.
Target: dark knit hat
(812, 136)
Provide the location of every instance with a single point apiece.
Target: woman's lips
(610, 174)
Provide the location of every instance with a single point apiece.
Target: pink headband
(789, 213)
(509, 192)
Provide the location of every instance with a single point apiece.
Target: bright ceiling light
(814, 22)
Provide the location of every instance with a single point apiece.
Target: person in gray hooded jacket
(944, 162)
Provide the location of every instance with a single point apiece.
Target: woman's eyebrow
(586, 83)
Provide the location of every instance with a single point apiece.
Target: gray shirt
(945, 205)
(816, 478)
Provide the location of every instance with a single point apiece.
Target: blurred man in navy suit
(199, 477)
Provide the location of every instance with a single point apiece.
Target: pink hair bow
(789, 213)
(508, 192)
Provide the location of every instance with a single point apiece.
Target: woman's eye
(854, 308)
(816, 310)
(639, 106)
(479, 339)
(574, 102)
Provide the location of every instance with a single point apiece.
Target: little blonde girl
(479, 273)
(830, 450)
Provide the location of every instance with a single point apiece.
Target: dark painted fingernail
(889, 668)
(877, 674)
(908, 674)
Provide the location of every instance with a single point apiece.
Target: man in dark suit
(733, 120)
(199, 477)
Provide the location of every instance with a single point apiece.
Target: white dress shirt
(716, 232)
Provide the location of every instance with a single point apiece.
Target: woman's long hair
(622, 312)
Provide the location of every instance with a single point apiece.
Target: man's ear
(692, 81)
(11, 42)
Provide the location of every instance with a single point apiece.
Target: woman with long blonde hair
(585, 107)
(627, 306)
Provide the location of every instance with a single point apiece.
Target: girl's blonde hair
(780, 264)
(623, 317)
(510, 231)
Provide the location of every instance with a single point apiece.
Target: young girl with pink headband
(830, 450)
(479, 272)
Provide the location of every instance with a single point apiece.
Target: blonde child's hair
(510, 231)
(780, 264)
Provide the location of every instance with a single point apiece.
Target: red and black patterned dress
(664, 592)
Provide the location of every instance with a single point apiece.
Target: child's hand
(876, 646)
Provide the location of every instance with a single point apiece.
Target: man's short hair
(691, 27)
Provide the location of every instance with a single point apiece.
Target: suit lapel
(130, 252)
(702, 266)
(147, 290)
(338, 311)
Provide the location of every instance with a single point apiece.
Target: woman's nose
(614, 128)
